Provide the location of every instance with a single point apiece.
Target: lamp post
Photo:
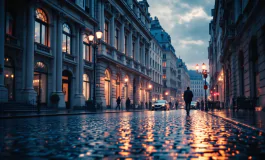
(94, 43)
(205, 74)
(126, 92)
(150, 97)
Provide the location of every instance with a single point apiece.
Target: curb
(63, 114)
(238, 123)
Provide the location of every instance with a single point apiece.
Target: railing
(12, 40)
(69, 57)
(87, 63)
(42, 48)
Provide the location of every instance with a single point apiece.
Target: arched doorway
(66, 88)
(118, 86)
(126, 95)
(9, 73)
(107, 87)
(40, 82)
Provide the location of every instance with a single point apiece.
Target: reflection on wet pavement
(140, 135)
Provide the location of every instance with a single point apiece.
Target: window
(66, 39)
(125, 45)
(117, 39)
(86, 86)
(86, 49)
(164, 76)
(133, 54)
(106, 32)
(41, 29)
(107, 87)
(9, 24)
(164, 64)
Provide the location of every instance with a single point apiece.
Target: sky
(187, 22)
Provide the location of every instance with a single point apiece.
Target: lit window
(66, 39)
(41, 29)
(164, 64)
(86, 86)
(164, 76)
(86, 49)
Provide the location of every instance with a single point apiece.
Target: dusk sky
(187, 22)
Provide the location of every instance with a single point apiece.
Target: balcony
(12, 41)
(88, 64)
(42, 49)
(68, 57)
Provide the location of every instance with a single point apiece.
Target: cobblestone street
(140, 135)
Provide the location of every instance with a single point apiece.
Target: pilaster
(3, 90)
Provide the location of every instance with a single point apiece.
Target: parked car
(193, 105)
(160, 104)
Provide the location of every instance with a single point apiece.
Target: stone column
(54, 53)
(3, 90)
(112, 31)
(137, 51)
(29, 93)
(143, 54)
(122, 49)
(92, 8)
(79, 97)
(59, 61)
(130, 44)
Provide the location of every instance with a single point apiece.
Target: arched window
(66, 38)
(41, 27)
(107, 87)
(86, 86)
(86, 49)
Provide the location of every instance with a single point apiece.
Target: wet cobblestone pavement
(139, 135)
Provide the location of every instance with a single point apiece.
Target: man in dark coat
(176, 104)
(128, 103)
(118, 103)
(188, 95)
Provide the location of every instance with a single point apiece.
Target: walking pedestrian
(170, 105)
(128, 103)
(118, 103)
(176, 104)
(188, 95)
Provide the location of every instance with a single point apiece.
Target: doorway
(40, 82)
(66, 87)
(9, 73)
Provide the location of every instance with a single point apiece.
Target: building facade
(197, 85)
(169, 60)
(184, 78)
(242, 51)
(156, 70)
(45, 50)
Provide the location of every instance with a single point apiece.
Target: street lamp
(94, 43)
(205, 75)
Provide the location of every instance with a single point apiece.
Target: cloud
(194, 42)
(195, 13)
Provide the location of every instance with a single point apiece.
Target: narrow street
(138, 135)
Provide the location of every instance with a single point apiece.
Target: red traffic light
(205, 87)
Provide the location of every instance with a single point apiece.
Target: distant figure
(128, 103)
(150, 105)
(188, 95)
(202, 103)
(118, 103)
(146, 105)
(170, 104)
(176, 104)
(198, 105)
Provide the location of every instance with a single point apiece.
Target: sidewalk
(59, 113)
(255, 119)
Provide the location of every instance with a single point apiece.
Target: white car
(160, 104)
(193, 105)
